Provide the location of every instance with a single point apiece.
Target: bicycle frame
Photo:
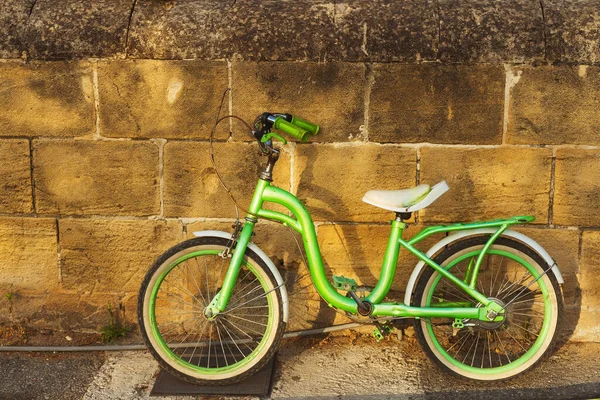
(303, 224)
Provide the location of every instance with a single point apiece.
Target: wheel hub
(490, 324)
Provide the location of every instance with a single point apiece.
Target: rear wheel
(212, 351)
(491, 350)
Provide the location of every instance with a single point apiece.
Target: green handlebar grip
(290, 129)
(307, 126)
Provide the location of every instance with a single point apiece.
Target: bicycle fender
(450, 239)
(256, 250)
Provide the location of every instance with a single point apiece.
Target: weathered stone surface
(13, 15)
(587, 329)
(32, 95)
(69, 311)
(112, 256)
(331, 95)
(28, 255)
(332, 179)
(563, 246)
(356, 30)
(212, 29)
(555, 105)
(437, 104)
(576, 187)
(91, 178)
(590, 270)
(15, 177)
(160, 99)
(386, 31)
(488, 183)
(491, 32)
(312, 30)
(192, 189)
(572, 31)
(77, 28)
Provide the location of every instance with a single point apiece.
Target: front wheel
(491, 350)
(203, 349)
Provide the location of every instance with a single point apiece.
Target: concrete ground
(306, 368)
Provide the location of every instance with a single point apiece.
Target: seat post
(403, 216)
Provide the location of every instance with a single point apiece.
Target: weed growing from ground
(114, 329)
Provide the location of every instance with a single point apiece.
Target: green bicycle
(213, 309)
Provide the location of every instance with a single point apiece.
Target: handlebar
(294, 126)
(291, 129)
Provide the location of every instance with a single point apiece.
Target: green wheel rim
(529, 353)
(196, 368)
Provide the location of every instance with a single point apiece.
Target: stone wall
(106, 112)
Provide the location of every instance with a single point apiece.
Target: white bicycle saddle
(406, 200)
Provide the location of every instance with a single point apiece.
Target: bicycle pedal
(343, 283)
(382, 331)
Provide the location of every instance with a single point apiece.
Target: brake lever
(272, 135)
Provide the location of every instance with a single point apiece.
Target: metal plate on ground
(258, 384)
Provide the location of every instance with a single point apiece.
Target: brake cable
(212, 155)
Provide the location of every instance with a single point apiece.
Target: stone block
(332, 179)
(385, 31)
(28, 255)
(15, 177)
(160, 99)
(112, 256)
(478, 31)
(77, 28)
(192, 189)
(437, 104)
(554, 105)
(46, 99)
(331, 95)
(216, 30)
(587, 329)
(572, 31)
(576, 187)
(563, 247)
(13, 16)
(590, 270)
(487, 183)
(96, 178)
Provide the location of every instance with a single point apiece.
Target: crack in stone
(31, 166)
(544, 30)
(439, 29)
(31, 10)
(128, 28)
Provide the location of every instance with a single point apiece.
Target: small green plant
(10, 296)
(115, 328)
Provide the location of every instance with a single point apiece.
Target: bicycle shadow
(356, 255)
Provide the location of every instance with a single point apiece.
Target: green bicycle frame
(303, 224)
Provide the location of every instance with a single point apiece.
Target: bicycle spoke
(247, 320)
(503, 348)
(195, 282)
(249, 301)
(221, 341)
(232, 340)
(515, 340)
(475, 349)
(187, 291)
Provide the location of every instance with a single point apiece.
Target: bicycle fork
(219, 301)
